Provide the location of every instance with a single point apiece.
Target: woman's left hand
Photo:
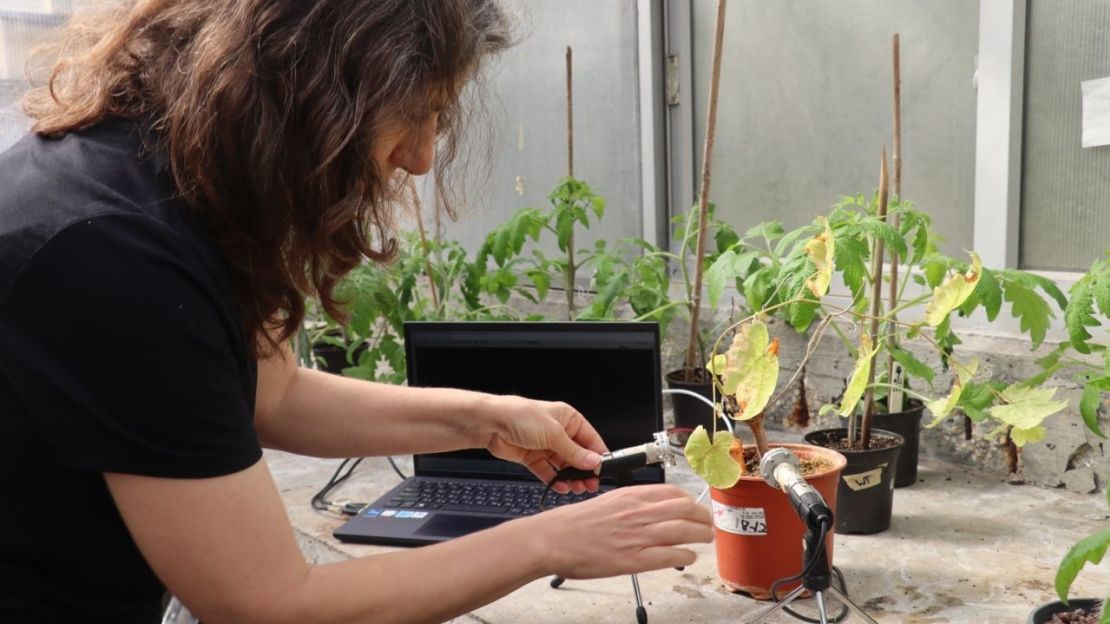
(545, 436)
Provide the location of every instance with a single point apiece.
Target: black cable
(811, 563)
(395, 468)
(319, 500)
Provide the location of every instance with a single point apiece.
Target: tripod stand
(641, 612)
(816, 577)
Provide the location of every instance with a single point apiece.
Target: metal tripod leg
(821, 610)
(641, 612)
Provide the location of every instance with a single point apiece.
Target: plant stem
(706, 169)
(417, 209)
(876, 309)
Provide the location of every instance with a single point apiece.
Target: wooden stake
(894, 400)
(568, 273)
(570, 115)
(703, 201)
(418, 209)
(876, 306)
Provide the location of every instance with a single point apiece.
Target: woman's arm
(314, 413)
(223, 546)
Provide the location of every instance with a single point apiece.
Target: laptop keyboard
(512, 498)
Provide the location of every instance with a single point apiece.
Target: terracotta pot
(758, 533)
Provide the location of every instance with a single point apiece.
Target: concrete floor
(963, 547)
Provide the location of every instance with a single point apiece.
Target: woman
(198, 168)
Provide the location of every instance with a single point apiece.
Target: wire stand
(816, 577)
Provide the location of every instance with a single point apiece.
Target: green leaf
(758, 287)
(826, 409)
(882, 230)
(720, 273)
(1091, 548)
(935, 267)
(1102, 384)
(1021, 437)
(974, 401)
(1049, 287)
(771, 230)
(751, 369)
(1089, 403)
(1026, 408)
(711, 460)
(1102, 295)
(726, 237)
(857, 383)
(786, 243)
(941, 408)
(988, 293)
(1078, 315)
(1031, 309)
(821, 249)
(851, 254)
(542, 281)
(911, 365)
(953, 292)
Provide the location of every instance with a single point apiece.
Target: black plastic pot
(865, 493)
(688, 411)
(333, 359)
(908, 425)
(1044, 613)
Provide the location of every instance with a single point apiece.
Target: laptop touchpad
(455, 525)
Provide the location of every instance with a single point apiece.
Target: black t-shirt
(120, 351)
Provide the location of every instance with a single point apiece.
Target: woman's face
(407, 146)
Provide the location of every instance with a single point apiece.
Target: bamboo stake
(568, 274)
(894, 402)
(418, 208)
(703, 200)
(876, 305)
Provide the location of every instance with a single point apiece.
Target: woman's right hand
(628, 530)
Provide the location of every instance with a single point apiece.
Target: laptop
(609, 371)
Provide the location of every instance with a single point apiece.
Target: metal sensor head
(772, 460)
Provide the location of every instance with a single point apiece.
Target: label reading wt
(865, 480)
(740, 520)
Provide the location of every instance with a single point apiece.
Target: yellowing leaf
(953, 292)
(820, 250)
(717, 365)
(857, 383)
(711, 460)
(1026, 408)
(941, 408)
(1033, 434)
(751, 369)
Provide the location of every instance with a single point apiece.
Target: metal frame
(678, 50)
(653, 178)
(999, 119)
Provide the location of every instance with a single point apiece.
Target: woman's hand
(628, 530)
(545, 436)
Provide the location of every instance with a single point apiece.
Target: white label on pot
(740, 520)
(865, 480)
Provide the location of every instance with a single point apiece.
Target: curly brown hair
(267, 112)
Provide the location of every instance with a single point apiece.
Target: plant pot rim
(901, 441)
(838, 460)
(1074, 603)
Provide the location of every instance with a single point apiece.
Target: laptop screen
(610, 372)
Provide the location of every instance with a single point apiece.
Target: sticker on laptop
(404, 514)
(419, 514)
(372, 513)
(740, 520)
(389, 512)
